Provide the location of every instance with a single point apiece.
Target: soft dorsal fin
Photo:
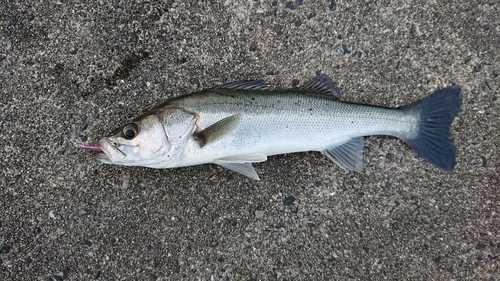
(322, 84)
(217, 130)
(245, 85)
(349, 155)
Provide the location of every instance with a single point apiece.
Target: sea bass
(241, 123)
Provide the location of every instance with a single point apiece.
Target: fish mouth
(103, 157)
(106, 152)
(109, 153)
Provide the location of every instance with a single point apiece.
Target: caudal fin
(436, 113)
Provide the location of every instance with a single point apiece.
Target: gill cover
(179, 126)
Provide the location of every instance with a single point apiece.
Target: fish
(241, 123)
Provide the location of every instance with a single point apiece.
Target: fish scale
(297, 116)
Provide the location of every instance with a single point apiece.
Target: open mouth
(106, 152)
(110, 152)
(100, 155)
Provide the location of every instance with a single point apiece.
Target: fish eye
(130, 131)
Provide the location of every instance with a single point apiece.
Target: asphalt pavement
(72, 71)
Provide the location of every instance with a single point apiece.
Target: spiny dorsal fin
(322, 84)
(218, 130)
(245, 85)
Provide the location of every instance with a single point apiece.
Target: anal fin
(349, 155)
(242, 164)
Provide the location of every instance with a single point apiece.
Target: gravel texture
(72, 71)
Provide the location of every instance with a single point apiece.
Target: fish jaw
(110, 154)
(100, 155)
(101, 149)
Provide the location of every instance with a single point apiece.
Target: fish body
(241, 123)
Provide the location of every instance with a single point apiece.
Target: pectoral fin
(349, 155)
(242, 164)
(217, 130)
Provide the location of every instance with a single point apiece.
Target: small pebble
(465, 250)
(332, 6)
(289, 200)
(290, 6)
(480, 246)
(5, 249)
(259, 214)
(345, 50)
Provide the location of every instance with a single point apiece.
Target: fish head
(152, 140)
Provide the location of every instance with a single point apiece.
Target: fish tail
(436, 113)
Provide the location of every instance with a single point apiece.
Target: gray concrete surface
(71, 72)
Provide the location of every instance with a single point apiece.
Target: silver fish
(241, 123)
